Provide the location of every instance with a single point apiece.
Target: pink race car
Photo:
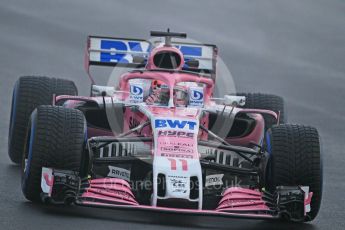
(159, 141)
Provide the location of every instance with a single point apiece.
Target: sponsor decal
(137, 46)
(196, 96)
(136, 93)
(118, 45)
(120, 173)
(180, 134)
(179, 184)
(175, 124)
(176, 143)
(177, 155)
(177, 149)
(216, 179)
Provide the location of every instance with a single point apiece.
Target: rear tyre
(266, 101)
(296, 160)
(28, 93)
(55, 139)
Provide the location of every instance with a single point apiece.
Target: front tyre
(55, 139)
(296, 160)
(28, 93)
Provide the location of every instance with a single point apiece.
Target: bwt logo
(162, 123)
(197, 95)
(121, 46)
(136, 90)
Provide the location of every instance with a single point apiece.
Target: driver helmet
(181, 96)
(160, 94)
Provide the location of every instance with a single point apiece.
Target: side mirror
(99, 90)
(234, 100)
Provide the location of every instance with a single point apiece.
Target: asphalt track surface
(291, 48)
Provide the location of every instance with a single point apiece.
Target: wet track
(291, 48)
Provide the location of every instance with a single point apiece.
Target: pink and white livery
(158, 140)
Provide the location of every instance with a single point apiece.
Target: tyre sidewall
(13, 117)
(28, 153)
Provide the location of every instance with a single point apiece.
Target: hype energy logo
(196, 96)
(136, 94)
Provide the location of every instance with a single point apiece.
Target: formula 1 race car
(159, 141)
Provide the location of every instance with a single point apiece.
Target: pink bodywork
(117, 192)
(171, 79)
(242, 199)
(150, 62)
(236, 201)
(111, 190)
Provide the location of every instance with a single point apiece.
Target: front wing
(66, 187)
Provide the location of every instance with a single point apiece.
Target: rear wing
(123, 52)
